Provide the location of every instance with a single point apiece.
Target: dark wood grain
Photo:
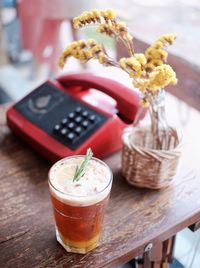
(134, 216)
(188, 75)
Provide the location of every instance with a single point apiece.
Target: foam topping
(95, 180)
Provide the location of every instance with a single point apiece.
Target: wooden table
(134, 217)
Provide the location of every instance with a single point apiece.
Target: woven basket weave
(145, 167)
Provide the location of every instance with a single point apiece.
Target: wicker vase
(145, 167)
(150, 155)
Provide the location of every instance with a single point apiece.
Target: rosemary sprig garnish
(80, 170)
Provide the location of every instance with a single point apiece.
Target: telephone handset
(127, 100)
(55, 119)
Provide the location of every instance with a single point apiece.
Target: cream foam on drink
(91, 188)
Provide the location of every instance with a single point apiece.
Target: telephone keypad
(63, 117)
(76, 124)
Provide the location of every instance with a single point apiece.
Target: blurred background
(33, 34)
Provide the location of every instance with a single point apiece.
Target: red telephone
(65, 116)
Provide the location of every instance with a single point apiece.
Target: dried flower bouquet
(148, 71)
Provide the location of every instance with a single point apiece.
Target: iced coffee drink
(79, 205)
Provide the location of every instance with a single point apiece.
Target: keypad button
(85, 113)
(78, 109)
(57, 128)
(78, 130)
(92, 118)
(71, 125)
(85, 124)
(71, 136)
(78, 119)
(64, 121)
(71, 115)
(63, 131)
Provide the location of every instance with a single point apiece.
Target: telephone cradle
(65, 116)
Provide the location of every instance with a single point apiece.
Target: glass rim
(80, 196)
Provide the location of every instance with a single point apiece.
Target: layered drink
(79, 205)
